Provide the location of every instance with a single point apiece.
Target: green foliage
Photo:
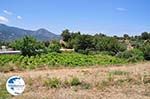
(3, 92)
(106, 53)
(108, 44)
(126, 36)
(66, 35)
(53, 82)
(86, 43)
(144, 46)
(54, 46)
(132, 55)
(4, 43)
(56, 59)
(72, 82)
(75, 81)
(30, 47)
(146, 50)
(83, 43)
(145, 35)
(137, 43)
(17, 44)
(46, 43)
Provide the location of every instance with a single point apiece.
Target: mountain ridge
(9, 33)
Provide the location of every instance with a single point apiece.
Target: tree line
(87, 44)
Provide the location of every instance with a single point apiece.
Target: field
(55, 60)
(76, 76)
(130, 81)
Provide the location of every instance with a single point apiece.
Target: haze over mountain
(8, 33)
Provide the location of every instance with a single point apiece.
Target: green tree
(66, 35)
(146, 50)
(108, 44)
(126, 36)
(73, 40)
(145, 35)
(46, 43)
(83, 43)
(31, 47)
(100, 35)
(17, 44)
(133, 55)
(54, 46)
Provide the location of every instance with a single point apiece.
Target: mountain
(8, 33)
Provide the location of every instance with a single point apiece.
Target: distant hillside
(8, 33)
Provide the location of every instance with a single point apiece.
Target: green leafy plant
(146, 50)
(132, 55)
(53, 82)
(19, 62)
(74, 81)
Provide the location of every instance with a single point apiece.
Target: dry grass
(114, 82)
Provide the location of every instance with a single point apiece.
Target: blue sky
(113, 17)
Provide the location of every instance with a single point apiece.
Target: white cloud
(19, 17)
(3, 19)
(7, 12)
(121, 9)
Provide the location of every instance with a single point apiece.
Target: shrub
(75, 81)
(30, 47)
(145, 35)
(132, 55)
(85, 85)
(17, 44)
(146, 79)
(146, 50)
(137, 43)
(54, 46)
(66, 83)
(53, 82)
(83, 44)
(108, 44)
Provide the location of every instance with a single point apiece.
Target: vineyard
(19, 62)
